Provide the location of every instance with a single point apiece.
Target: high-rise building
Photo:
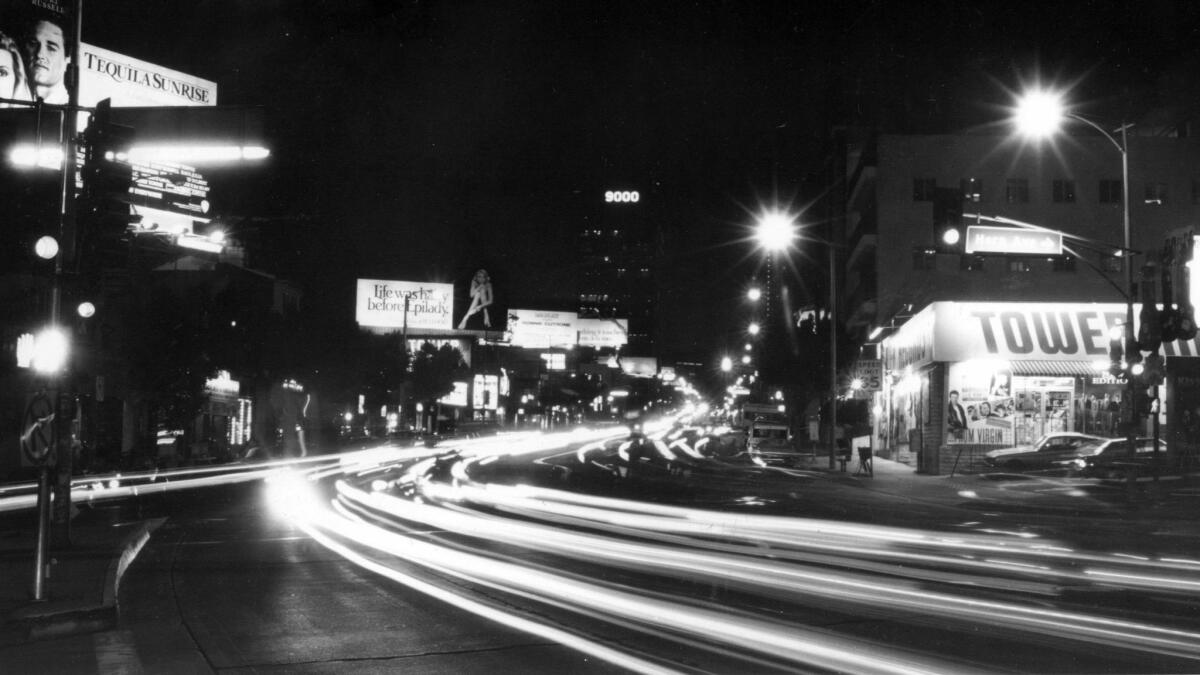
(617, 258)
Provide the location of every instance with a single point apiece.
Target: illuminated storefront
(962, 378)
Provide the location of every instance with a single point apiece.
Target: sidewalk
(81, 589)
(1172, 498)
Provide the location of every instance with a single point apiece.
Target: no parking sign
(37, 430)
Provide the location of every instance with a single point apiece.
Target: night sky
(419, 140)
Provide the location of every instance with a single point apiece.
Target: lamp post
(1038, 115)
(775, 233)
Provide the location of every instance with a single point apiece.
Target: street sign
(869, 373)
(37, 430)
(989, 239)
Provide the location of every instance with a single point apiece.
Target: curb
(52, 620)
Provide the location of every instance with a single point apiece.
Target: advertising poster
(603, 332)
(536, 329)
(478, 304)
(400, 304)
(979, 406)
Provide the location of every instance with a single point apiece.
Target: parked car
(1050, 451)
(1112, 460)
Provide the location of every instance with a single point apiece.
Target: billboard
(603, 332)
(542, 329)
(168, 195)
(397, 304)
(537, 329)
(131, 82)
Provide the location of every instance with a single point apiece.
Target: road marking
(218, 542)
(116, 653)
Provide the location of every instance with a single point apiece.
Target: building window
(972, 189)
(924, 259)
(1156, 193)
(1019, 265)
(1110, 192)
(971, 263)
(1064, 191)
(1063, 263)
(1017, 191)
(923, 189)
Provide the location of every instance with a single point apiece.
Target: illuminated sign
(485, 395)
(1012, 331)
(555, 361)
(536, 329)
(988, 239)
(622, 197)
(131, 82)
(603, 332)
(639, 366)
(396, 304)
(458, 397)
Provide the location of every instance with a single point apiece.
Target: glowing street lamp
(753, 328)
(726, 364)
(754, 294)
(50, 350)
(775, 231)
(1039, 114)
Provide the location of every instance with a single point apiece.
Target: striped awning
(1054, 368)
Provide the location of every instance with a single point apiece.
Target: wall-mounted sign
(397, 304)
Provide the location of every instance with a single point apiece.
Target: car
(1050, 451)
(1112, 460)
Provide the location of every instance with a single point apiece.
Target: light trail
(515, 540)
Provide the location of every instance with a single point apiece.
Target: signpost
(989, 239)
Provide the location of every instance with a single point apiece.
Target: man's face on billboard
(47, 54)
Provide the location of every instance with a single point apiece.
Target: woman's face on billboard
(8, 74)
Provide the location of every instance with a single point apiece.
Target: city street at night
(414, 559)
(536, 337)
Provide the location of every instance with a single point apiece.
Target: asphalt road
(715, 571)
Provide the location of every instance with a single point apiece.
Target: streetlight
(754, 294)
(1039, 114)
(775, 232)
(753, 328)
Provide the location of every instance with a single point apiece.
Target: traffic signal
(102, 209)
(1153, 370)
(1116, 351)
(949, 231)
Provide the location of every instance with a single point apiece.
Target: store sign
(1013, 331)
(912, 344)
(396, 304)
(1024, 331)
